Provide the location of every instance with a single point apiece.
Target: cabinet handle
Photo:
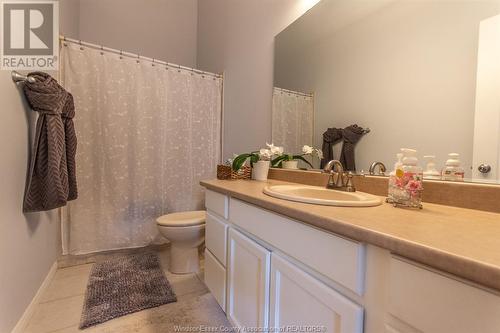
(484, 168)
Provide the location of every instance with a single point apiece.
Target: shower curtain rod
(294, 92)
(137, 56)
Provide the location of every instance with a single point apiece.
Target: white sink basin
(322, 196)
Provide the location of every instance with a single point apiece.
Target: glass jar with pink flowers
(405, 183)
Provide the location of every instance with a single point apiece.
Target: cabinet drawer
(216, 237)
(217, 203)
(337, 258)
(215, 278)
(432, 302)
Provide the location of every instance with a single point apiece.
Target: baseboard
(28, 313)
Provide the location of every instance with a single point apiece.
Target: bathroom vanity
(276, 263)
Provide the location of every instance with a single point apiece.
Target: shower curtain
(292, 120)
(146, 136)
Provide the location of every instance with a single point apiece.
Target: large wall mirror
(391, 74)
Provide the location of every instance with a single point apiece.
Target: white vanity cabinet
(265, 289)
(248, 282)
(271, 272)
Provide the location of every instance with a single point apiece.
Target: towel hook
(18, 77)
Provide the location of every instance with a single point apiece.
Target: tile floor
(61, 305)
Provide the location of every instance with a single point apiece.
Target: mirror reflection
(362, 79)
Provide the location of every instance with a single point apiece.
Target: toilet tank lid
(182, 219)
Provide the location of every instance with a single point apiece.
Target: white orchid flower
(279, 151)
(307, 149)
(265, 154)
(319, 153)
(275, 150)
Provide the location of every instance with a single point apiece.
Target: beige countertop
(463, 242)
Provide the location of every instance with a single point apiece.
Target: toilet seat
(182, 219)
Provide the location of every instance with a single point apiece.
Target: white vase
(290, 164)
(260, 170)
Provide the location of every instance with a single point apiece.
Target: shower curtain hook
(80, 42)
(153, 64)
(138, 58)
(121, 54)
(102, 50)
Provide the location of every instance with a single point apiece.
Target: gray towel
(331, 137)
(349, 136)
(51, 180)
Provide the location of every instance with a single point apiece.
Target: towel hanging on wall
(349, 137)
(51, 179)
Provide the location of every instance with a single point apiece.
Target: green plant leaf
(239, 161)
(254, 158)
(299, 157)
(278, 160)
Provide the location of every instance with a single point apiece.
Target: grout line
(64, 328)
(192, 292)
(62, 298)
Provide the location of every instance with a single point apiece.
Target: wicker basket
(225, 172)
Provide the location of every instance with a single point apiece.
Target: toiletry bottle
(452, 170)
(430, 171)
(393, 191)
(398, 164)
(405, 185)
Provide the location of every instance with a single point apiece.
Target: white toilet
(186, 232)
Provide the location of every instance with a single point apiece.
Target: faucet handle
(349, 183)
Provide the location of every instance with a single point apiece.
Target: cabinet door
(248, 282)
(298, 299)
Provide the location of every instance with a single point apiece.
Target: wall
(407, 71)
(161, 29)
(29, 243)
(69, 18)
(237, 37)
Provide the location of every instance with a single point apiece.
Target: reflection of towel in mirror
(350, 136)
(331, 137)
(52, 179)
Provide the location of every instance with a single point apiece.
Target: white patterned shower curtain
(146, 136)
(292, 120)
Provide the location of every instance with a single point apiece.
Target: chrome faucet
(382, 168)
(338, 180)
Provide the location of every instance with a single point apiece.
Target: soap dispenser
(405, 184)
(398, 164)
(430, 170)
(452, 170)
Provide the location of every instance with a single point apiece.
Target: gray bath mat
(124, 285)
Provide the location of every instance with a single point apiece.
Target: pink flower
(414, 187)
